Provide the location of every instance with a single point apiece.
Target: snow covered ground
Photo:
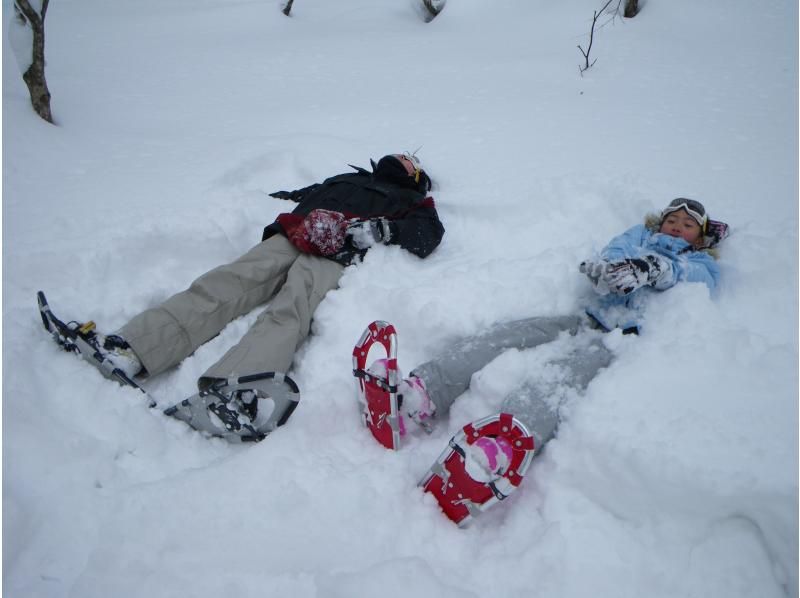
(674, 474)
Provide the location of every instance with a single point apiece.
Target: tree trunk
(631, 8)
(433, 8)
(34, 75)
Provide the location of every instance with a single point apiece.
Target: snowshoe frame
(378, 396)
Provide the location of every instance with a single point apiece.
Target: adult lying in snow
(675, 246)
(300, 258)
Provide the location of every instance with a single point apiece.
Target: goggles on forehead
(415, 163)
(694, 208)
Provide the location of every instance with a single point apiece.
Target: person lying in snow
(675, 246)
(300, 258)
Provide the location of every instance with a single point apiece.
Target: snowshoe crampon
(462, 486)
(244, 409)
(377, 390)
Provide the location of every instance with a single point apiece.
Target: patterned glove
(322, 232)
(366, 233)
(625, 276)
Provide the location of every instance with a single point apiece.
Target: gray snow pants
(294, 283)
(448, 375)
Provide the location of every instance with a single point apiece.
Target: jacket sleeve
(688, 264)
(296, 195)
(697, 266)
(419, 230)
(628, 244)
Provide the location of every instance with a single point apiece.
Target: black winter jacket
(412, 216)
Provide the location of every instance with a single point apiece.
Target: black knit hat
(391, 168)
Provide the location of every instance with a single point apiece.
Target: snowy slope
(675, 474)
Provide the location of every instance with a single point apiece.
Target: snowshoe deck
(245, 409)
(377, 392)
(459, 494)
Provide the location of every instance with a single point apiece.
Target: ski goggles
(694, 208)
(412, 165)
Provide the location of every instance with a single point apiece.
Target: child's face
(680, 224)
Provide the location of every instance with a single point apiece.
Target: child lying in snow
(672, 247)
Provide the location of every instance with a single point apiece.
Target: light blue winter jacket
(688, 264)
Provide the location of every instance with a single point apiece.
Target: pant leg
(448, 375)
(271, 342)
(164, 336)
(536, 403)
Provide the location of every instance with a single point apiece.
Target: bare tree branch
(588, 50)
(30, 13)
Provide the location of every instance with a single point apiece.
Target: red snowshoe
(482, 465)
(377, 386)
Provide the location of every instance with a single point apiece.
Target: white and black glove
(625, 276)
(366, 233)
(593, 270)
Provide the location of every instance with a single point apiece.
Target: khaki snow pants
(273, 271)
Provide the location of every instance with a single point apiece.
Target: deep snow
(674, 474)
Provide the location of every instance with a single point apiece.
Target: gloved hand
(593, 270)
(322, 232)
(366, 233)
(625, 276)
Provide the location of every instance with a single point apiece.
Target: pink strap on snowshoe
(459, 494)
(512, 430)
